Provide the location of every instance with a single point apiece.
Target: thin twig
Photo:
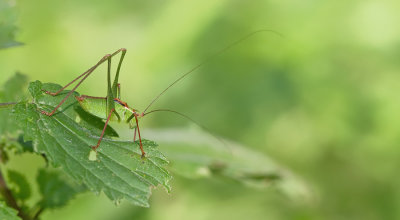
(7, 104)
(38, 213)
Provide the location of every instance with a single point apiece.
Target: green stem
(7, 104)
(36, 217)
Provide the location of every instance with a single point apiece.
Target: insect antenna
(208, 60)
(194, 122)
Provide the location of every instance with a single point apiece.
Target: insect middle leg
(104, 129)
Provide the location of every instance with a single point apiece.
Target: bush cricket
(111, 107)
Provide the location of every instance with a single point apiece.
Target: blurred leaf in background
(56, 190)
(196, 154)
(7, 26)
(19, 185)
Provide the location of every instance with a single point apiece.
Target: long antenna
(181, 114)
(208, 60)
(193, 121)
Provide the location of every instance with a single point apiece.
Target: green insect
(112, 108)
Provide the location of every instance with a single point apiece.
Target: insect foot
(45, 113)
(49, 93)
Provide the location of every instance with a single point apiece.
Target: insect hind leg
(84, 75)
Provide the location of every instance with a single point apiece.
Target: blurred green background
(322, 100)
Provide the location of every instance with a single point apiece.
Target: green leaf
(10, 143)
(18, 185)
(13, 91)
(194, 154)
(55, 189)
(7, 27)
(66, 140)
(24, 146)
(8, 213)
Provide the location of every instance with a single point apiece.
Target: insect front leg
(140, 139)
(135, 125)
(132, 125)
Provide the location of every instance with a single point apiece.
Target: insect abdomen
(96, 106)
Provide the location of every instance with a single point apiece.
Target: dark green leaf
(55, 189)
(66, 140)
(18, 185)
(24, 146)
(8, 213)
